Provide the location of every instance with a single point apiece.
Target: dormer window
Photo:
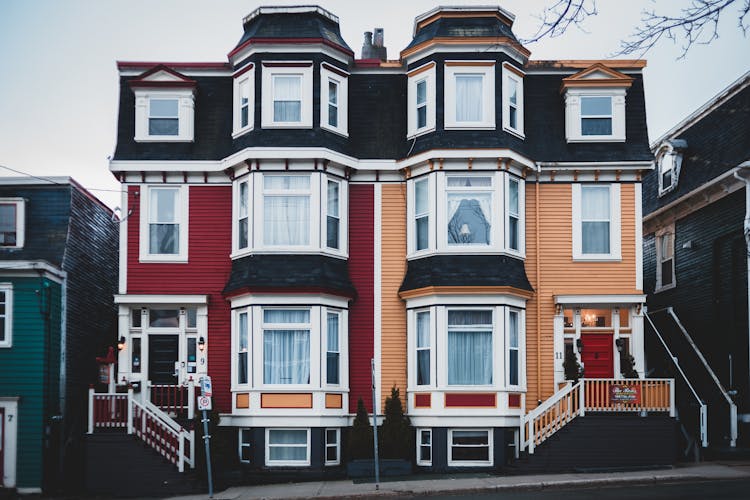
(421, 100)
(595, 104)
(669, 161)
(287, 95)
(469, 94)
(164, 106)
(244, 100)
(12, 220)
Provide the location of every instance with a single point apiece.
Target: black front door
(162, 355)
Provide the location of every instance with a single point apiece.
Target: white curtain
(287, 103)
(423, 348)
(595, 219)
(470, 347)
(242, 345)
(286, 220)
(287, 444)
(513, 348)
(469, 218)
(332, 354)
(163, 217)
(468, 98)
(286, 352)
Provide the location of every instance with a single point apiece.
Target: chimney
(374, 49)
(378, 42)
(367, 50)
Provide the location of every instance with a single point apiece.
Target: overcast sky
(58, 78)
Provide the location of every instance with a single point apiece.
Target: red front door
(597, 356)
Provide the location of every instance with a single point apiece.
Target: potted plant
(571, 366)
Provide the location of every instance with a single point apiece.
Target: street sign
(204, 403)
(206, 386)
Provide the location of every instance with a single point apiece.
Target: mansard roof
(301, 24)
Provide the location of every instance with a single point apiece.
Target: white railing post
(582, 398)
(704, 425)
(181, 456)
(192, 449)
(91, 410)
(191, 400)
(130, 409)
(733, 425)
(531, 436)
(672, 408)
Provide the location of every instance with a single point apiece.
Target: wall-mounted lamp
(620, 343)
(121, 344)
(202, 344)
(579, 344)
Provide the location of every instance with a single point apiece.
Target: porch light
(121, 344)
(579, 344)
(620, 343)
(201, 344)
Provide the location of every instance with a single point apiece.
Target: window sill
(470, 126)
(337, 131)
(596, 138)
(238, 254)
(514, 132)
(163, 138)
(597, 258)
(668, 190)
(160, 259)
(241, 132)
(665, 288)
(420, 132)
(297, 125)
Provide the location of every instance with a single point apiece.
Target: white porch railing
(594, 395)
(145, 420)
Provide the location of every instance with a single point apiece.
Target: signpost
(375, 426)
(204, 404)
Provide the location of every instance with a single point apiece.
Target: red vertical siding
(362, 311)
(205, 273)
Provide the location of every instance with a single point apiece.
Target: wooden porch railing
(177, 399)
(146, 421)
(595, 395)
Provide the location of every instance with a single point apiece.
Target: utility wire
(58, 183)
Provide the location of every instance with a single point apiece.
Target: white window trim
(324, 346)
(573, 131)
(318, 207)
(8, 289)
(185, 114)
(306, 94)
(657, 241)
(281, 463)
(614, 226)
(428, 76)
(412, 347)
(521, 385)
(419, 447)
(474, 463)
(513, 74)
(327, 75)
(412, 226)
(145, 197)
(20, 204)
(241, 444)
(314, 206)
(236, 348)
(664, 151)
(327, 445)
(488, 94)
(246, 78)
(521, 251)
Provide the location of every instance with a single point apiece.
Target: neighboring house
(463, 216)
(58, 254)
(695, 220)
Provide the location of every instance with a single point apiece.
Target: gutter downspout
(743, 173)
(537, 237)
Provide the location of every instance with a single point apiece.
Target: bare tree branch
(555, 20)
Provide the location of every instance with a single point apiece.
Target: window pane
(473, 454)
(421, 92)
(595, 202)
(288, 453)
(165, 318)
(163, 207)
(192, 355)
(242, 234)
(513, 330)
(596, 126)
(333, 116)
(287, 436)
(666, 272)
(163, 126)
(470, 317)
(421, 197)
(331, 454)
(423, 329)
(332, 356)
(244, 103)
(423, 237)
(469, 181)
(425, 437)
(512, 91)
(333, 93)
(164, 239)
(469, 218)
(513, 197)
(243, 199)
(513, 367)
(470, 438)
(286, 182)
(8, 225)
(135, 318)
(423, 367)
(421, 117)
(332, 232)
(286, 356)
(135, 361)
(192, 317)
(469, 98)
(596, 106)
(469, 358)
(595, 237)
(666, 246)
(163, 108)
(333, 198)
(298, 316)
(512, 119)
(331, 436)
(513, 233)
(286, 220)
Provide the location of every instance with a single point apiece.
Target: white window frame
(324, 223)
(668, 151)
(425, 73)
(7, 318)
(306, 93)
(326, 349)
(336, 445)
(248, 351)
(573, 117)
(471, 463)
(289, 326)
(486, 69)
(430, 214)
(243, 80)
(241, 444)
(182, 222)
(521, 215)
(513, 74)
(420, 461)
(20, 207)
(614, 225)
(658, 238)
(282, 463)
(185, 114)
(342, 105)
(236, 227)
(430, 347)
(520, 348)
(497, 204)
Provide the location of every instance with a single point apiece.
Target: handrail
(551, 401)
(166, 419)
(732, 406)
(559, 416)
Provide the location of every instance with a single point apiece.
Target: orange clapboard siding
(393, 356)
(560, 275)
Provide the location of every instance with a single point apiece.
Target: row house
(464, 216)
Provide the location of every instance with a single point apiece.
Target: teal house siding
(30, 368)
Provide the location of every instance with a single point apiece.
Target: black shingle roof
(462, 28)
(465, 270)
(294, 25)
(290, 271)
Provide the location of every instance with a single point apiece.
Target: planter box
(388, 467)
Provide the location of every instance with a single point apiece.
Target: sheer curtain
(423, 348)
(286, 217)
(595, 219)
(469, 218)
(470, 347)
(287, 101)
(468, 98)
(286, 352)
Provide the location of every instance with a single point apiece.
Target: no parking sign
(204, 403)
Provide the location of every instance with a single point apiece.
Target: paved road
(703, 490)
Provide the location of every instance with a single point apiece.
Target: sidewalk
(438, 485)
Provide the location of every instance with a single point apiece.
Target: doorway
(162, 356)
(597, 355)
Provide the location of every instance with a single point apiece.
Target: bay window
(286, 346)
(469, 347)
(596, 221)
(470, 94)
(286, 210)
(421, 100)
(164, 223)
(287, 94)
